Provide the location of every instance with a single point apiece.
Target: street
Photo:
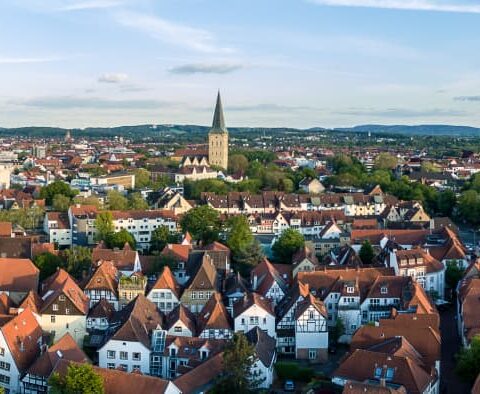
(449, 382)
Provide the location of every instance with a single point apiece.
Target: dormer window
(350, 289)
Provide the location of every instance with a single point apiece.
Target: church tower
(218, 138)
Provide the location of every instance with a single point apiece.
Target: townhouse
(421, 266)
(165, 293)
(136, 328)
(103, 284)
(204, 281)
(36, 378)
(20, 345)
(253, 311)
(64, 307)
(57, 226)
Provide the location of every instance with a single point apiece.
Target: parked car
(289, 385)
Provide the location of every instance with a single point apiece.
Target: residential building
(253, 311)
(64, 307)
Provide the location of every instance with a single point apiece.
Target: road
(450, 383)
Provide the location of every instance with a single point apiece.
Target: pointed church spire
(218, 124)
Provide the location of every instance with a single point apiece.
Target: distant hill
(416, 130)
(197, 131)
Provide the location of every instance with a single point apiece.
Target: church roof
(218, 125)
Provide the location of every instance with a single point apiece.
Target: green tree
(237, 163)
(162, 236)
(366, 253)
(453, 273)
(337, 330)
(289, 242)
(239, 235)
(119, 239)
(142, 178)
(48, 264)
(238, 360)
(385, 161)
(202, 223)
(136, 201)
(117, 201)
(104, 225)
(248, 257)
(54, 188)
(446, 202)
(428, 166)
(78, 260)
(286, 185)
(469, 206)
(79, 379)
(61, 203)
(468, 361)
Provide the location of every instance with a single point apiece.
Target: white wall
(130, 348)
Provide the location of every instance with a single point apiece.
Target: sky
(292, 63)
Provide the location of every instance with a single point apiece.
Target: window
(61, 297)
(253, 319)
(67, 311)
(136, 366)
(52, 319)
(110, 365)
(389, 374)
(311, 315)
(177, 329)
(312, 354)
(123, 355)
(2, 351)
(383, 290)
(110, 353)
(350, 290)
(378, 373)
(5, 366)
(4, 379)
(55, 307)
(124, 367)
(136, 356)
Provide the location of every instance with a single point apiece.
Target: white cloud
(113, 78)
(170, 32)
(417, 5)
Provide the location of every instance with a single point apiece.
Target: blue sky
(298, 63)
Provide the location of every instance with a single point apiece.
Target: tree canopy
(289, 242)
(237, 375)
(468, 361)
(117, 201)
(79, 379)
(104, 225)
(119, 239)
(239, 235)
(48, 264)
(366, 252)
(58, 187)
(202, 223)
(61, 203)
